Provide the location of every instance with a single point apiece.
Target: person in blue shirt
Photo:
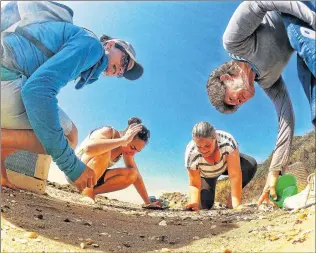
(31, 80)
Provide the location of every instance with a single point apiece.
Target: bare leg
(21, 140)
(114, 180)
(27, 140)
(14, 140)
(4, 177)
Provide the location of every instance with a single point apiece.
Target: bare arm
(235, 176)
(194, 186)
(102, 142)
(282, 103)
(249, 15)
(139, 183)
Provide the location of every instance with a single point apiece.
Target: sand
(61, 222)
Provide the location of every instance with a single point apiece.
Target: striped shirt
(195, 161)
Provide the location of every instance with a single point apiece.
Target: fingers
(90, 182)
(191, 207)
(273, 193)
(271, 203)
(263, 197)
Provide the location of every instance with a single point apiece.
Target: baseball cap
(137, 70)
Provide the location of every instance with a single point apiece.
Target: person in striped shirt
(210, 154)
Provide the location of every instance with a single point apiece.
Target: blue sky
(179, 44)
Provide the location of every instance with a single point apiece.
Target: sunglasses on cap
(124, 61)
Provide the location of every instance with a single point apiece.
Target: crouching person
(210, 154)
(104, 147)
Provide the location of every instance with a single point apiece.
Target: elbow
(88, 150)
(26, 94)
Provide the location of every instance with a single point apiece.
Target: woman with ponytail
(104, 147)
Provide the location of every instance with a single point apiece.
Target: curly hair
(216, 89)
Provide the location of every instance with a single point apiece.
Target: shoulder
(105, 132)
(191, 155)
(226, 141)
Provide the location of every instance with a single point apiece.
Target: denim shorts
(13, 114)
(302, 39)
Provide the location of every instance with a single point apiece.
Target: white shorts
(13, 114)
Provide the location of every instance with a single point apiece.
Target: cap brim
(135, 73)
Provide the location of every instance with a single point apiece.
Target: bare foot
(5, 183)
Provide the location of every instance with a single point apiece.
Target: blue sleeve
(39, 97)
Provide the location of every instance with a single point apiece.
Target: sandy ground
(64, 223)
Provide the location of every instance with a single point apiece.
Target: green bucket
(285, 187)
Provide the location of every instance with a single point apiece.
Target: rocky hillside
(303, 151)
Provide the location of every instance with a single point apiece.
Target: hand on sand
(130, 133)
(86, 179)
(6, 183)
(192, 207)
(240, 208)
(89, 196)
(269, 188)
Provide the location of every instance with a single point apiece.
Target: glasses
(124, 61)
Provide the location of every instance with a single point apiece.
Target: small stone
(13, 201)
(31, 235)
(127, 245)
(88, 223)
(11, 195)
(162, 238)
(89, 241)
(227, 251)
(302, 216)
(40, 216)
(67, 220)
(298, 222)
(162, 223)
(165, 250)
(56, 238)
(142, 236)
(104, 233)
(94, 245)
(196, 238)
(213, 226)
(82, 245)
(23, 241)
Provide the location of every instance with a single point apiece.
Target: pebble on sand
(31, 235)
(227, 251)
(89, 241)
(82, 245)
(162, 223)
(165, 250)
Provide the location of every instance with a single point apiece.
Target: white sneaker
(303, 199)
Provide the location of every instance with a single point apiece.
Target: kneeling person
(210, 154)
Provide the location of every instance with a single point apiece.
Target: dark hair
(143, 134)
(105, 38)
(203, 130)
(216, 89)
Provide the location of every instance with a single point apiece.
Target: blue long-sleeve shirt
(77, 53)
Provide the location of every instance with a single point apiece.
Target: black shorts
(248, 168)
